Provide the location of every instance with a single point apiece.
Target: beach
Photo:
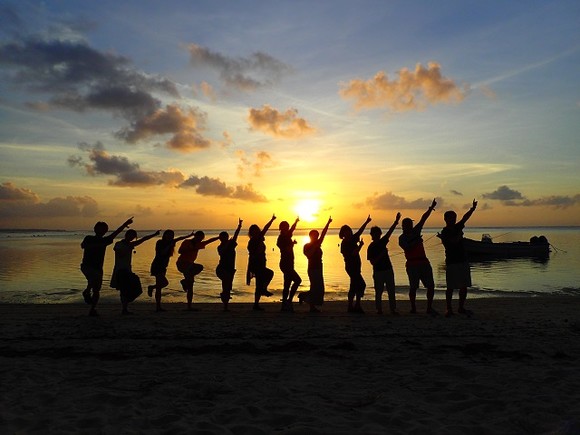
(511, 367)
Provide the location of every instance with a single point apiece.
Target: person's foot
(301, 297)
(314, 310)
(256, 307)
(432, 312)
(394, 313)
(358, 309)
(448, 313)
(468, 313)
(87, 297)
(267, 293)
(183, 285)
(150, 289)
(93, 313)
(380, 312)
(159, 310)
(126, 312)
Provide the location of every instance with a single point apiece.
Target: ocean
(41, 267)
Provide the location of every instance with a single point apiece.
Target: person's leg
(378, 283)
(296, 283)
(390, 286)
(413, 275)
(448, 299)
(429, 283)
(361, 285)
(462, 298)
(286, 288)
(351, 294)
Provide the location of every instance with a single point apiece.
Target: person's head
(198, 236)
(130, 235)
(284, 226)
(407, 225)
(450, 217)
(345, 232)
(224, 236)
(313, 234)
(101, 228)
(376, 233)
(254, 230)
(168, 235)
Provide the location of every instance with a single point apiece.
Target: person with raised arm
(418, 266)
(291, 278)
(257, 262)
(94, 248)
(164, 249)
(188, 251)
(313, 252)
(457, 273)
(226, 268)
(123, 278)
(383, 275)
(350, 249)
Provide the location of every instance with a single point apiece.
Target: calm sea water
(43, 267)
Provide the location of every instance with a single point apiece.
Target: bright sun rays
(307, 209)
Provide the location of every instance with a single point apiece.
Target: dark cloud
(215, 187)
(456, 193)
(126, 173)
(17, 202)
(503, 193)
(246, 74)
(390, 201)
(554, 201)
(184, 125)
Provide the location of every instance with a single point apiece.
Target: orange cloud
(185, 125)
(263, 160)
(412, 90)
(285, 125)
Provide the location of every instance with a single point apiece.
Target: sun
(307, 209)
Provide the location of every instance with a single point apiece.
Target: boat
(486, 247)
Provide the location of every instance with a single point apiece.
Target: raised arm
(362, 228)
(467, 215)
(237, 232)
(121, 228)
(208, 241)
(267, 226)
(426, 214)
(390, 231)
(293, 227)
(325, 230)
(180, 238)
(145, 238)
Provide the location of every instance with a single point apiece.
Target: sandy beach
(510, 368)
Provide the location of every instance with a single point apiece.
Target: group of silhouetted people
(411, 241)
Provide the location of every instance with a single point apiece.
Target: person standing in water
(313, 252)
(383, 275)
(94, 248)
(226, 268)
(291, 278)
(164, 249)
(350, 249)
(188, 251)
(123, 278)
(257, 262)
(418, 266)
(457, 273)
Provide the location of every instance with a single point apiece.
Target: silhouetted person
(186, 264)
(418, 267)
(313, 251)
(257, 262)
(94, 248)
(291, 278)
(226, 268)
(383, 275)
(350, 249)
(123, 278)
(164, 249)
(457, 273)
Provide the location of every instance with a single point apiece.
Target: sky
(191, 115)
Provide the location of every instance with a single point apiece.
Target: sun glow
(307, 209)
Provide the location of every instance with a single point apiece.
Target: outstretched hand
(128, 222)
(368, 219)
(433, 204)
(474, 206)
(398, 217)
(240, 222)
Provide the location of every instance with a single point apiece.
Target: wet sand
(512, 367)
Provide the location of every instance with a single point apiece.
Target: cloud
(411, 90)
(503, 193)
(185, 126)
(262, 160)
(456, 192)
(129, 174)
(206, 90)
(554, 201)
(126, 174)
(17, 202)
(245, 74)
(215, 187)
(390, 201)
(282, 125)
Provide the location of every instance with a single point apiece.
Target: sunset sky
(190, 114)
